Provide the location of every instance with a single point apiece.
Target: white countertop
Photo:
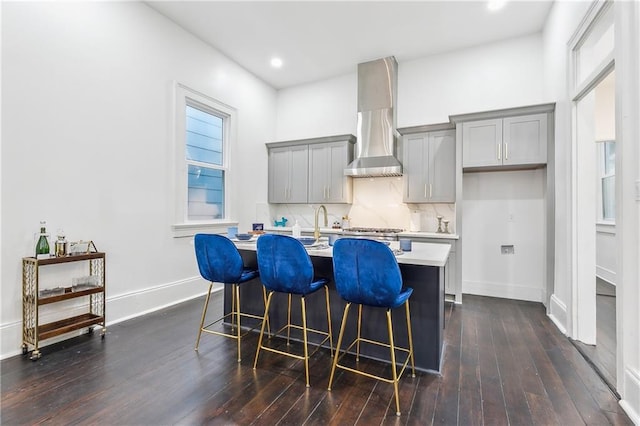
(425, 254)
(404, 234)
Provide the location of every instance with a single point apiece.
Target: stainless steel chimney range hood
(376, 134)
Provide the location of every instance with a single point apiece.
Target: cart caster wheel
(90, 330)
(102, 337)
(35, 355)
(103, 333)
(25, 350)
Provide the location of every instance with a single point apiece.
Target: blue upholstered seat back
(284, 264)
(218, 258)
(366, 272)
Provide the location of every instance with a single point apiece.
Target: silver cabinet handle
(506, 151)
(499, 146)
(430, 191)
(328, 192)
(425, 190)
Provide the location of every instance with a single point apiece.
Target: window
(203, 138)
(596, 46)
(204, 157)
(607, 189)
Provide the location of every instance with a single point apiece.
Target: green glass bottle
(42, 247)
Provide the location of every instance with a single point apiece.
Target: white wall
(561, 23)
(504, 208)
(606, 252)
(493, 76)
(322, 108)
(86, 144)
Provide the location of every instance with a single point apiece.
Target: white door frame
(582, 318)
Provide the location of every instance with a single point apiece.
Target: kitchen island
(422, 269)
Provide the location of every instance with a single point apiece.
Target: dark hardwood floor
(602, 355)
(504, 363)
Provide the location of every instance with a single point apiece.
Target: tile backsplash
(377, 203)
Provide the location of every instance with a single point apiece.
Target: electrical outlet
(507, 249)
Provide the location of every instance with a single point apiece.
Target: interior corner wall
(561, 23)
(87, 114)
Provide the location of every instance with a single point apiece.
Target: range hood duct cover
(376, 133)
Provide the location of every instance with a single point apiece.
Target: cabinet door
(339, 186)
(525, 140)
(279, 159)
(318, 173)
(298, 174)
(415, 168)
(442, 167)
(482, 143)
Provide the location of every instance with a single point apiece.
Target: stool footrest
(364, 373)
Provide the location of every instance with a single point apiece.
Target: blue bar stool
(220, 261)
(366, 272)
(285, 267)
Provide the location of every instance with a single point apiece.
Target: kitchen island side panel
(426, 305)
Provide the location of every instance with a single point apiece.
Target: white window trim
(183, 96)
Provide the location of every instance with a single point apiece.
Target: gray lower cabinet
(429, 167)
(310, 170)
(327, 182)
(288, 171)
(505, 142)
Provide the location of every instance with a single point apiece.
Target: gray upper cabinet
(288, 169)
(310, 170)
(510, 141)
(525, 139)
(429, 167)
(327, 182)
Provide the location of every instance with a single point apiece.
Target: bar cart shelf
(32, 330)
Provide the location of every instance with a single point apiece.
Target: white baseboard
(119, 308)
(631, 396)
(505, 291)
(606, 275)
(558, 313)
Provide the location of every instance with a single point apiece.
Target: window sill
(606, 227)
(182, 230)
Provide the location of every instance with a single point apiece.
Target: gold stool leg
(359, 328)
(266, 313)
(340, 335)
(264, 298)
(204, 313)
(410, 333)
(393, 362)
(236, 288)
(288, 319)
(326, 292)
(304, 337)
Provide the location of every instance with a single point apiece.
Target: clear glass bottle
(61, 244)
(42, 246)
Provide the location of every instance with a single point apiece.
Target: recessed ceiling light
(494, 5)
(276, 62)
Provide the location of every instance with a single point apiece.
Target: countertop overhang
(424, 254)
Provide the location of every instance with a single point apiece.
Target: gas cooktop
(374, 230)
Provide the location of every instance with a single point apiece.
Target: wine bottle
(42, 247)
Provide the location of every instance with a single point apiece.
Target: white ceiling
(322, 39)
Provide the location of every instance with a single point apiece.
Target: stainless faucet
(316, 229)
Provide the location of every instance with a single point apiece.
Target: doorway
(598, 141)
